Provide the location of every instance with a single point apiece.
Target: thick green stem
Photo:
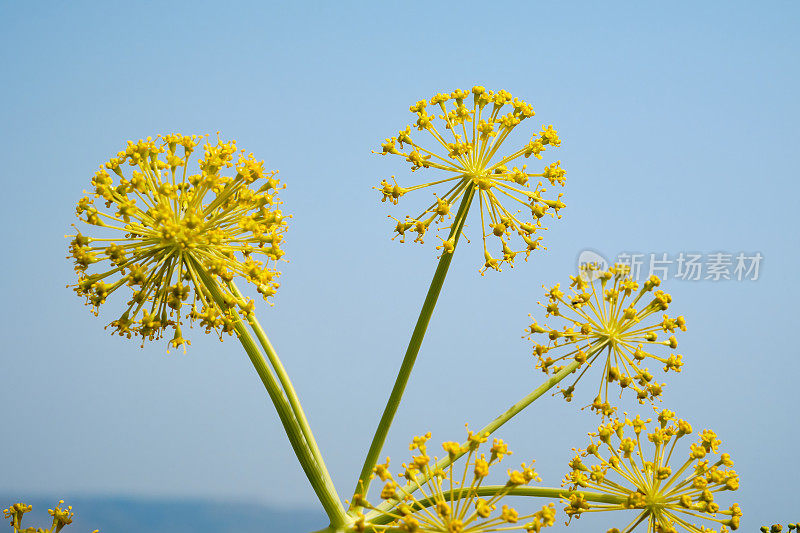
(493, 426)
(413, 346)
(333, 507)
(491, 490)
(291, 394)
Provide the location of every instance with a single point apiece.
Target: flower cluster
(170, 234)
(478, 122)
(606, 316)
(61, 518)
(664, 496)
(452, 503)
(177, 235)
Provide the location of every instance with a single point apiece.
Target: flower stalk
(487, 430)
(291, 394)
(413, 347)
(323, 488)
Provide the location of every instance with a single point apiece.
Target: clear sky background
(680, 130)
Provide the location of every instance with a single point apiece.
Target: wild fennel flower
(61, 517)
(451, 502)
(612, 318)
(666, 497)
(165, 233)
(15, 512)
(471, 156)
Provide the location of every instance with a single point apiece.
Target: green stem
(332, 506)
(491, 490)
(492, 426)
(294, 401)
(512, 411)
(413, 347)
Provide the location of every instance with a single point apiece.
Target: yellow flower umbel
(609, 316)
(168, 234)
(478, 123)
(61, 518)
(666, 497)
(451, 502)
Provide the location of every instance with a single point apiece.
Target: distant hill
(135, 515)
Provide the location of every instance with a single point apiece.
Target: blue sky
(679, 125)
